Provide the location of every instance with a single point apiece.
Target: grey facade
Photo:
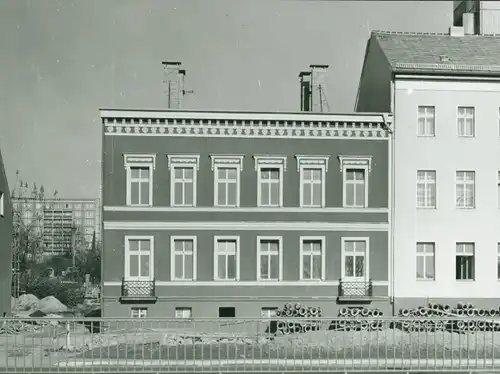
(6, 230)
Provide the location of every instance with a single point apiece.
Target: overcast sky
(63, 60)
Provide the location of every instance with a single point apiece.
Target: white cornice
(355, 161)
(138, 159)
(182, 159)
(312, 160)
(234, 160)
(270, 160)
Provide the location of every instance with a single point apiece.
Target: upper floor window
(426, 189)
(426, 121)
(312, 171)
(425, 261)
(465, 121)
(465, 189)
(226, 170)
(355, 171)
(183, 258)
(139, 169)
(270, 171)
(183, 179)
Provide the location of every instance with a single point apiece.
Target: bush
(70, 294)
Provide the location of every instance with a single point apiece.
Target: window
(465, 190)
(426, 121)
(183, 173)
(269, 258)
(498, 188)
(355, 170)
(312, 171)
(183, 257)
(465, 261)
(498, 261)
(227, 312)
(139, 312)
(312, 258)
(426, 189)
(139, 258)
(139, 170)
(465, 121)
(183, 312)
(2, 204)
(425, 261)
(355, 259)
(268, 312)
(226, 262)
(270, 171)
(227, 179)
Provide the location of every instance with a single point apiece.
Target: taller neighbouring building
(233, 214)
(477, 16)
(444, 91)
(6, 232)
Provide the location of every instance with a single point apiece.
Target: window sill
(465, 208)
(140, 205)
(426, 280)
(183, 206)
(222, 206)
(466, 136)
(465, 280)
(354, 207)
(183, 280)
(226, 280)
(426, 136)
(427, 207)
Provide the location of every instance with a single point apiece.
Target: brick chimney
(174, 81)
(312, 89)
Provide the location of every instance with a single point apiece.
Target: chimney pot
(469, 23)
(456, 31)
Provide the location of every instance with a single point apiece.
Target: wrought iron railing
(355, 289)
(139, 289)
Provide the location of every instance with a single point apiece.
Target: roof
(440, 53)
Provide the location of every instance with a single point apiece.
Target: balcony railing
(355, 289)
(138, 289)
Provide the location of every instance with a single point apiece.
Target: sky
(60, 61)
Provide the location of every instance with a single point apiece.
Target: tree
(89, 261)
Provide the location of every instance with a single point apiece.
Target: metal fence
(278, 345)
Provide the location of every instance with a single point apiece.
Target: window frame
(270, 162)
(229, 162)
(426, 117)
(173, 238)
(126, 274)
(183, 161)
(355, 163)
(424, 255)
(465, 183)
(2, 204)
(425, 183)
(182, 308)
(466, 255)
(134, 160)
(216, 257)
(280, 258)
(312, 162)
(365, 239)
(465, 118)
(138, 309)
(321, 239)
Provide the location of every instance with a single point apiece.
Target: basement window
(139, 312)
(268, 312)
(183, 312)
(227, 312)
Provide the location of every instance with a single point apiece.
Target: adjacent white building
(444, 91)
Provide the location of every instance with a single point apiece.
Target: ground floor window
(355, 258)
(139, 312)
(464, 266)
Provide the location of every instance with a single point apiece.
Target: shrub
(70, 294)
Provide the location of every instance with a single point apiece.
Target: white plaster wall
(446, 153)
(490, 17)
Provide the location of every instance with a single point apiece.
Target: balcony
(138, 291)
(355, 291)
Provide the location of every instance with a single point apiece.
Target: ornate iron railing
(135, 288)
(355, 289)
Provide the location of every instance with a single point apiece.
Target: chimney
(174, 80)
(456, 31)
(312, 89)
(468, 23)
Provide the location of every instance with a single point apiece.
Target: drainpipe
(393, 190)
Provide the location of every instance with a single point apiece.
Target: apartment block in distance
(6, 230)
(233, 214)
(444, 91)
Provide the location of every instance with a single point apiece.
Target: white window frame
(216, 257)
(366, 277)
(462, 253)
(183, 161)
(227, 162)
(312, 162)
(270, 162)
(279, 239)
(322, 239)
(183, 309)
(142, 312)
(424, 255)
(131, 160)
(465, 183)
(425, 182)
(465, 117)
(2, 204)
(173, 238)
(266, 312)
(427, 116)
(127, 256)
(355, 163)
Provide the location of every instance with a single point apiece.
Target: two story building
(6, 230)
(233, 214)
(444, 91)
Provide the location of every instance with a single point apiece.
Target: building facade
(5, 243)
(478, 17)
(223, 214)
(444, 91)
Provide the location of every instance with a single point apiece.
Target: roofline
(447, 73)
(106, 113)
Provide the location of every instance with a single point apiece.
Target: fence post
(68, 336)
